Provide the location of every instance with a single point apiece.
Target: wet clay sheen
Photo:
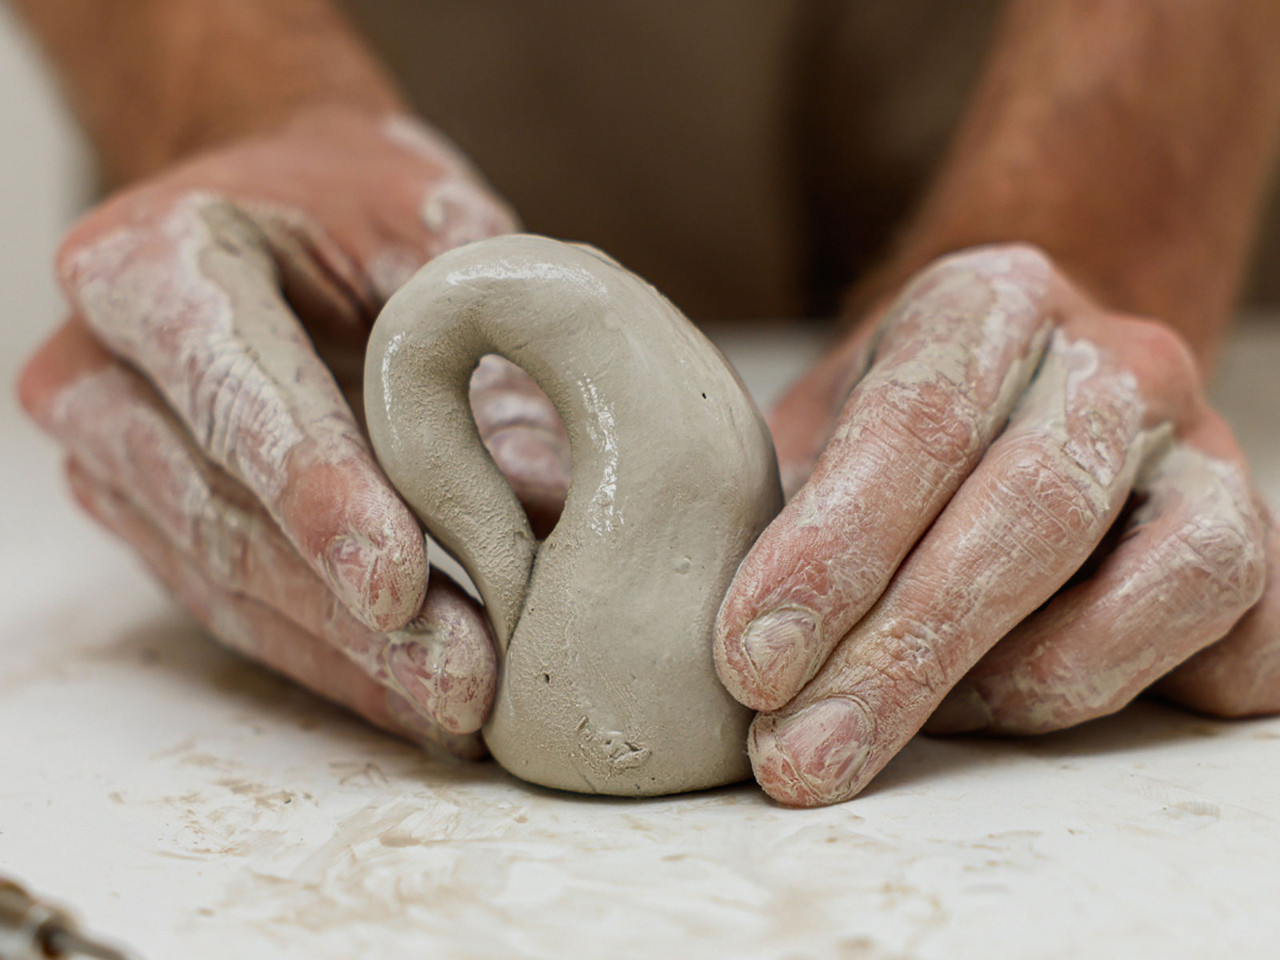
(607, 682)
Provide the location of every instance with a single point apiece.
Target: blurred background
(43, 176)
(46, 178)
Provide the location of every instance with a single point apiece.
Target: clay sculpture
(604, 628)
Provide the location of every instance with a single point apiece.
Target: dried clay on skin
(1030, 514)
(604, 628)
(194, 302)
(950, 361)
(1192, 561)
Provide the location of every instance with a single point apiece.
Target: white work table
(199, 808)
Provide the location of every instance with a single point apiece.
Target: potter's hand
(219, 312)
(962, 553)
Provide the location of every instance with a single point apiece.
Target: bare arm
(1132, 141)
(155, 80)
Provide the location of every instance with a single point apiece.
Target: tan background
(747, 156)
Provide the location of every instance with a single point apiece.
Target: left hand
(205, 392)
(1022, 513)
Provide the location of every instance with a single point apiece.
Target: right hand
(203, 390)
(1020, 513)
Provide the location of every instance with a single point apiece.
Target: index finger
(956, 351)
(188, 293)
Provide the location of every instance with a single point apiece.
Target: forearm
(1132, 140)
(154, 80)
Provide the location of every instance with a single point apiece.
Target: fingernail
(377, 585)
(963, 710)
(350, 571)
(450, 679)
(784, 649)
(812, 756)
(416, 664)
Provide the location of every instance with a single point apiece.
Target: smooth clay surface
(604, 628)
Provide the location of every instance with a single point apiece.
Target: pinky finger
(1188, 567)
(1239, 676)
(262, 634)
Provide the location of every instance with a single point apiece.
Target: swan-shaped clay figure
(607, 683)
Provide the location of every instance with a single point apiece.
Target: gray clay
(604, 629)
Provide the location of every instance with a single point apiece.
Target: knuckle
(81, 489)
(113, 239)
(1057, 687)
(495, 372)
(1166, 352)
(64, 264)
(1225, 565)
(1022, 259)
(1054, 500)
(501, 409)
(1055, 712)
(222, 536)
(1027, 255)
(1010, 280)
(529, 455)
(938, 416)
(1261, 700)
(35, 393)
(79, 257)
(909, 659)
(68, 258)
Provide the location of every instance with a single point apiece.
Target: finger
(263, 635)
(525, 436)
(189, 294)
(443, 663)
(955, 353)
(458, 207)
(444, 660)
(119, 431)
(1190, 564)
(121, 434)
(1239, 676)
(1026, 519)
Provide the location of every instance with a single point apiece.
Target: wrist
(1130, 145)
(153, 81)
(227, 126)
(1170, 261)
(328, 73)
(1178, 277)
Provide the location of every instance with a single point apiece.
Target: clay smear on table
(604, 628)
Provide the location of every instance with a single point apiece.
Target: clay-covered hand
(1021, 514)
(219, 314)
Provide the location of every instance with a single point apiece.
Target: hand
(1022, 514)
(219, 314)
